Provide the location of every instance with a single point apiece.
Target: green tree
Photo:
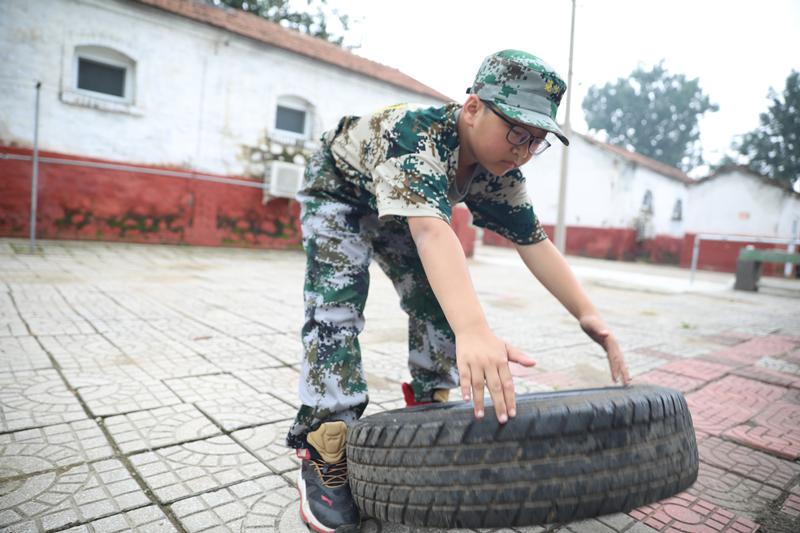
(284, 13)
(773, 149)
(651, 112)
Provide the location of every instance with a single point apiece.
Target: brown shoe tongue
(441, 395)
(329, 441)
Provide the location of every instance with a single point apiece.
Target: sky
(738, 49)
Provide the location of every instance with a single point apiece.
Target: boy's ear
(471, 108)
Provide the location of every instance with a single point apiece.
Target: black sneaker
(326, 504)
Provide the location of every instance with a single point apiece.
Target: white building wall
(589, 185)
(665, 193)
(604, 190)
(200, 93)
(789, 223)
(741, 204)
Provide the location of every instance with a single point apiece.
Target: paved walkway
(149, 388)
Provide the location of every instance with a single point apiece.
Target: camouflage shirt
(403, 160)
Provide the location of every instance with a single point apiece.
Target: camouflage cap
(523, 87)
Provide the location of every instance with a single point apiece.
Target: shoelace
(332, 475)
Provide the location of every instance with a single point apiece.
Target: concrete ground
(149, 388)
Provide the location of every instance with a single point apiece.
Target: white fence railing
(790, 244)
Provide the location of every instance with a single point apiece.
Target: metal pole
(35, 177)
(695, 255)
(787, 268)
(561, 230)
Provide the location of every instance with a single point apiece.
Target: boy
(383, 185)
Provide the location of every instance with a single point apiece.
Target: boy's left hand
(593, 326)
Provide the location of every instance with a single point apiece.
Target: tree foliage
(773, 149)
(313, 21)
(651, 112)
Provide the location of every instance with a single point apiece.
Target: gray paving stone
(370, 525)
(390, 368)
(281, 382)
(526, 386)
(145, 520)
(155, 428)
(96, 307)
(381, 391)
(209, 387)
(243, 361)
(286, 348)
(267, 443)
(99, 376)
(589, 526)
(687, 349)
(81, 356)
(22, 353)
(179, 327)
(36, 398)
(27, 295)
(634, 338)
(284, 323)
(400, 403)
(220, 345)
(619, 522)
(639, 527)
(289, 521)
(108, 397)
(241, 411)
(733, 492)
(396, 350)
(192, 468)
(41, 449)
(46, 304)
(111, 325)
(70, 350)
(144, 345)
(637, 363)
(565, 358)
(13, 326)
(78, 494)
(613, 523)
(388, 332)
(255, 505)
(241, 327)
(94, 373)
(57, 325)
(779, 365)
(757, 329)
(148, 301)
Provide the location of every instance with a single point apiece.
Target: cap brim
(533, 119)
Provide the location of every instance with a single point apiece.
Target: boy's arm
(480, 355)
(548, 265)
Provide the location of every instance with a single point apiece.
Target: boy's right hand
(483, 358)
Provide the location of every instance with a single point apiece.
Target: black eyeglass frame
(536, 145)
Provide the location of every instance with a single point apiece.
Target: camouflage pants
(340, 239)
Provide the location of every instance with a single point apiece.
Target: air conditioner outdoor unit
(282, 179)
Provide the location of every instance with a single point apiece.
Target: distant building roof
(639, 159)
(265, 31)
(747, 171)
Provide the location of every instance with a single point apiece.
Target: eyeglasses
(517, 135)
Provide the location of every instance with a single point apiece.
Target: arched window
(677, 210)
(647, 202)
(293, 117)
(104, 72)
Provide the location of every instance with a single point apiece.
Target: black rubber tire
(565, 456)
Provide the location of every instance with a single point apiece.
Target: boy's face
(490, 135)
